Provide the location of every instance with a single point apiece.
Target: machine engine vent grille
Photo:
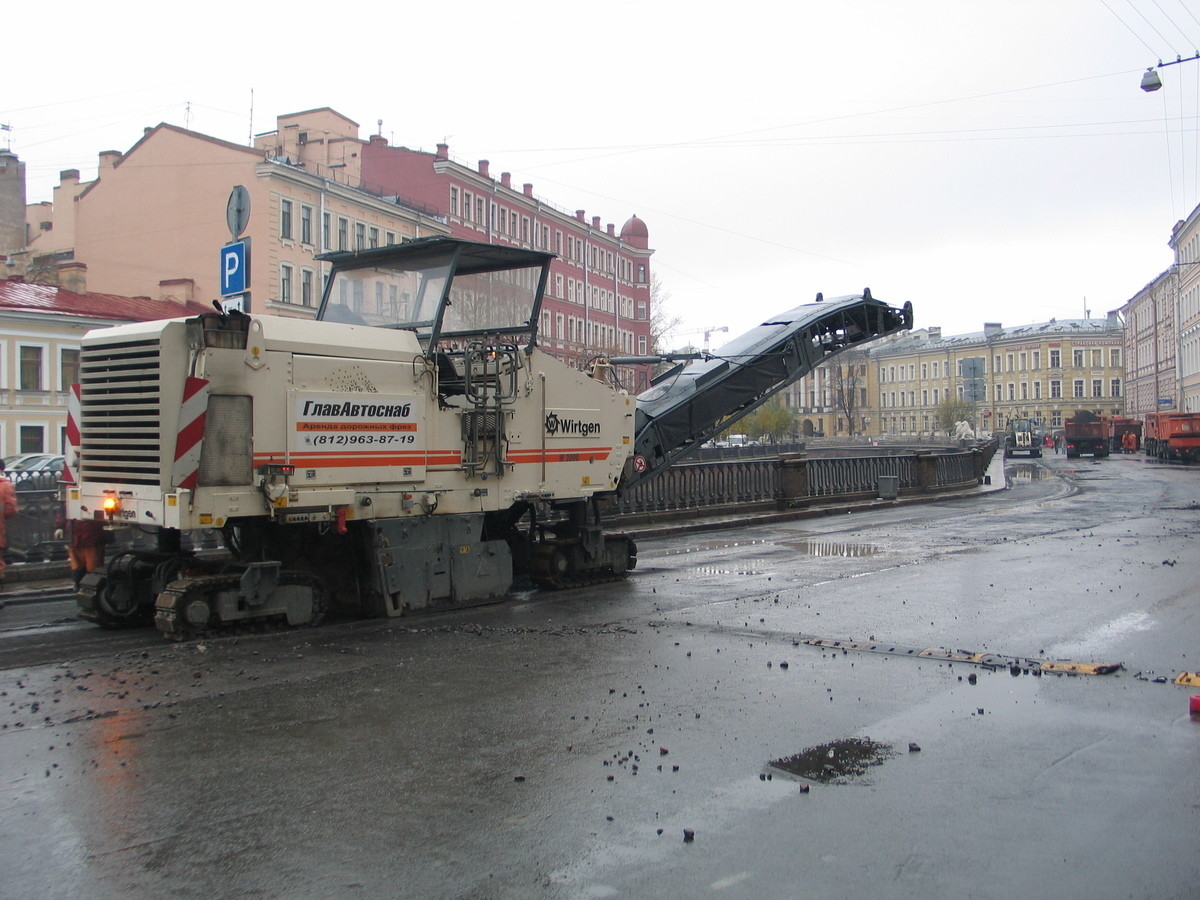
(121, 408)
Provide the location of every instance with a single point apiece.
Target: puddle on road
(710, 571)
(713, 545)
(836, 762)
(1028, 472)
(830, 548)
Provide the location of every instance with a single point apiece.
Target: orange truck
(1172, 435)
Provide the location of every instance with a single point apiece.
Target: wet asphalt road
(558, 745)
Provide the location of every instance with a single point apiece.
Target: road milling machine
(411, 447)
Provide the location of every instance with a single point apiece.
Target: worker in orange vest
(8, 508)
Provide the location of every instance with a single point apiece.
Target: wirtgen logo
(573, 427)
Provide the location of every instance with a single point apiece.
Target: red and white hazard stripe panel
(190, 437)
(71, 470)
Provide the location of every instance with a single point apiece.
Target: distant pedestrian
(8, 508)
(85, 547)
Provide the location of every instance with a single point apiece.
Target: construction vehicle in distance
(1085, 432)
(1124, 434)
(410, 448)
(1023, 436)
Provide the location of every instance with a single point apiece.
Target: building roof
(922, 340)
(54, 302)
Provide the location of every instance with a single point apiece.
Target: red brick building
(598, 297)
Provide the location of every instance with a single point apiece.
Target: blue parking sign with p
(235, 268)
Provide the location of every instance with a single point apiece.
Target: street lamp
(1150, 80)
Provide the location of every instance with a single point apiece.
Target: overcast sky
(989, 161)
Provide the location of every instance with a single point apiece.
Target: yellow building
(1044, 371)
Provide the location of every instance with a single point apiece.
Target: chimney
(612, 230)
(527, 189)
(108, 159)
(443, 151)
(506, 179)
(483, 168)
(72, 276)
(934, 332)
(596, 222)
(1114, 319)
(179, 290)
(68, 175)
(579, 214)
(992, 329)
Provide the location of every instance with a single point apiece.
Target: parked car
(34, 471)
(26, 462)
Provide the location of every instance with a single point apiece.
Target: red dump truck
(1173, 435)
(1086, 432)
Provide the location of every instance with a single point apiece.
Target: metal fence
(35, 532)
(804, 477)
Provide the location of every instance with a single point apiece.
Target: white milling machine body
(412, 447)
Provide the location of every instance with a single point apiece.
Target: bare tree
(848, 382)
(662, 321)
(953, 410)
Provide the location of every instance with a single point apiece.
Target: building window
(373, 237)
(1055, 389)
(30, 377)
(306, 217)
(390, 237)
(325, 231)
(1056, 418)
(1037, 390)
(1024, 390)
(1077, 358)
(641, 273)
(1097, 359)
(1056, 359)
(285, 283)
(1116, 388)
(68, 369)
(360, 236)
(306, 287)
(1114, 358)
(32, 439)
(1037, 360)
(500, 218)
(1097, 387)
(1012, 391)
(1077, 389)
(343, 231)
(1009, 360)
(285, 219)
(453, 201)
